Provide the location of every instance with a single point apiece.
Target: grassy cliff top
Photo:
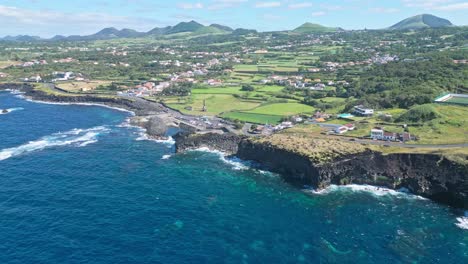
(307, 141)
(319, 150)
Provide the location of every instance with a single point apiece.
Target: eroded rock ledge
(429, 175)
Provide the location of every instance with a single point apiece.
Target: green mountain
(224, 28)
(191, 26)
(421, 22)
(210, 30)
(308, 28)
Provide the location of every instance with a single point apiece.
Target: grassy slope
(313, 28)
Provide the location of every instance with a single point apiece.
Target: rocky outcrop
(137, 105)
(429, 175)
(227, 143)
(156, 127)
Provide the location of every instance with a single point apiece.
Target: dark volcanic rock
(137, 105)
(429, 175)
(227, 143)
(156, 127)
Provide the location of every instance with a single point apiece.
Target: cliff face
(227, 143)
(428, 175)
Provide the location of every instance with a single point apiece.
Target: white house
(363, 111)
(341, 130)
(377, 133)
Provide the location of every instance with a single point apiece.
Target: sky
(47, 18)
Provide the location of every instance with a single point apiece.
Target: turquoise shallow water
(78, 187)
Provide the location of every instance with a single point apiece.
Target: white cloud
(223, 4)
(441, 5)
(272, 17)
(267, 4)
(452, 7)
(300, 5)
(318, 13)
(16, 20)
(190, 5)
(384, 10)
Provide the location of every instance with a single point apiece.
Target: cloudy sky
(51, 17)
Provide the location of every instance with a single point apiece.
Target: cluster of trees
(181, 89)
(407, 83)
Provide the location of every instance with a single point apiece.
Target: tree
(247, 88)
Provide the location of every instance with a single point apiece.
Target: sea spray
(9, 110)
(75, 137)
(236, 163)
(462, 221)
(81, 104)
(375, 191)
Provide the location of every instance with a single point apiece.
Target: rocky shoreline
(152, 117)
(429, 175)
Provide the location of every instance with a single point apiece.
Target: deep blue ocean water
(77, 186)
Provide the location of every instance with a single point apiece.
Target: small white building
(341, 130)
(363, 111)
(377, 133)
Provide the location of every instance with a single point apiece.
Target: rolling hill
(421, 22)
(308, 28)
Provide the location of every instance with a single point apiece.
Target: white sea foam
(75, 137)
(85, 104)
(166, 157)
(376, 191)
(143, 136)
(11, 110)
(236, 163)
(14, 91)
(463, 221)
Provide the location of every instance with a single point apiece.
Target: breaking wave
(236, 163)
(82, 104)
(143, 136)
(11, 110)
(166, 157)
(376, 191)
(75, 137)
(463, 221)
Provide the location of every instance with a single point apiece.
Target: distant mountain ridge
(421, 22)
(196, 29)
(113, 33)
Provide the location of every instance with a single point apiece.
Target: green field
(450, 128)
(216, 104)
(253, 118)
(458, 100)
(282, 109)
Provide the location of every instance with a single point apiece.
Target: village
(264, 84)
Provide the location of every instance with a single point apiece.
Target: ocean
(78, 185)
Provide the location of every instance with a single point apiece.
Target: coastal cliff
(227, 143)
(340, 163)
(428, 175)
(140, 107)
(305, 160)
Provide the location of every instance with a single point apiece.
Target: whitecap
(236, 163)
(463, 221)
(84, 104)
(75, 137)
(9, 110)
(166, 157)
(143, 136)
(374, 190)
(14, 91)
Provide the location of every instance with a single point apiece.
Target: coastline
(367, 168)
(141, 112)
